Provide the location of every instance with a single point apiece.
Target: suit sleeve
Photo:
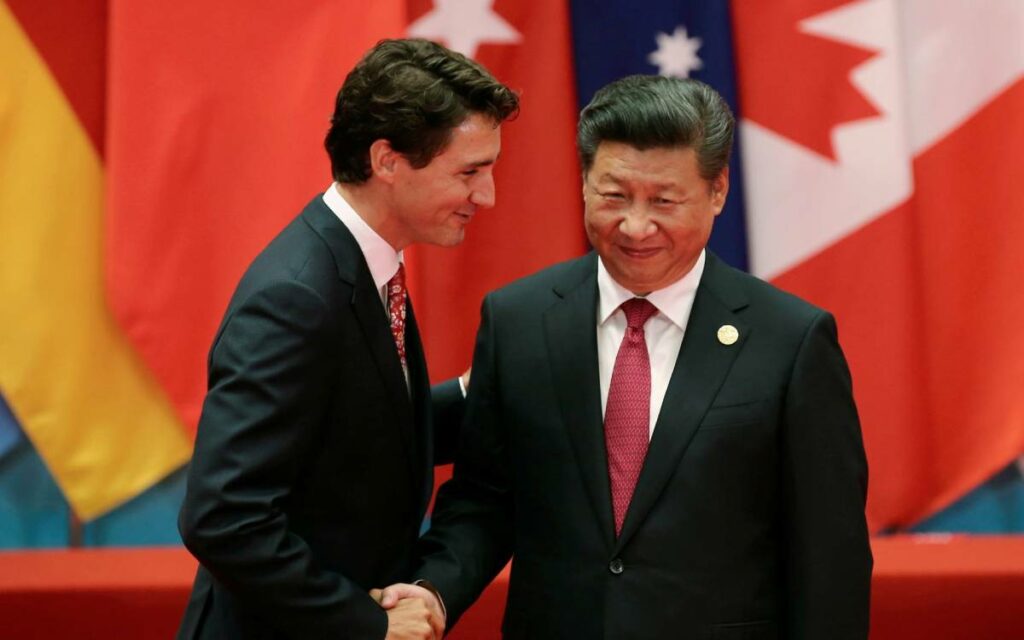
(448, 407)
(470, 539)
(828, 556)
(269, 377)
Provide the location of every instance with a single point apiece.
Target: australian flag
(680, 38)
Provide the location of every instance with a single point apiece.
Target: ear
(719, 190)
(584, 183)
(384, 160)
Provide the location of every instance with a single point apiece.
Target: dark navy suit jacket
(313, 462)
(747, 521)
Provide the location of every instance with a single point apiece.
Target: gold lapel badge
(727, 334)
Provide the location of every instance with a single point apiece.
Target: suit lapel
(369, 312)
(699, 372)
(419, 384)
(570, 327)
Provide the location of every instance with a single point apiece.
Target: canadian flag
(884, 182)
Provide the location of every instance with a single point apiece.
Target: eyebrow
(663, 186)
(483, 163)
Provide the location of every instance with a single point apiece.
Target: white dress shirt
(663, 332)
(381, 257)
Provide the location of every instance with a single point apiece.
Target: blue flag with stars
(681, 38)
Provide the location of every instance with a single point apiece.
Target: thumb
(376, 594)
(389, 597)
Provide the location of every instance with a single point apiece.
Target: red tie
(396, 310)
(627, 415)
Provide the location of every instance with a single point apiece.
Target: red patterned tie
(396, 310)
(627, 414)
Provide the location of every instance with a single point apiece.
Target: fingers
(411, 619)
(436, 623)
(404, 600)
(391, 595)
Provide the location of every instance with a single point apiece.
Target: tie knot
(638, 311)
(398, 280)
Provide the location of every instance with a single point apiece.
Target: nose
(637, 224)
(483, 192)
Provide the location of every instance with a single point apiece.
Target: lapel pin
(727, 334)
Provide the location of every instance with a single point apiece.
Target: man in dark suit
(314, 458)
(668, 446)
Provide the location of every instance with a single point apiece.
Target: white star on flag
(676, 56)
(463, 24)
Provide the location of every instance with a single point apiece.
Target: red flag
(217, 118)
(905, 220)
(538, 219)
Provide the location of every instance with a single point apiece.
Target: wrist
(426, 584)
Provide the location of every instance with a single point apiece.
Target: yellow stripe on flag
(93, 412)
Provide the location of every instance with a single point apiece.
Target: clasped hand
(414, 613)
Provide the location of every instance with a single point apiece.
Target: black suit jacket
(313, 462)
(748, 517)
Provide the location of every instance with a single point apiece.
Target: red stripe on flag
(71, 36)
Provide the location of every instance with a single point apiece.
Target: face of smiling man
(649, 212)
(433, 204)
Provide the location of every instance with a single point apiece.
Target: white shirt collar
(673, 301)
(381, 257)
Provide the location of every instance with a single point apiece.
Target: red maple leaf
(796, 83)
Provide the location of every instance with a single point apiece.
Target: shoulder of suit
(732, 285)
(297, 254)
(559, 277)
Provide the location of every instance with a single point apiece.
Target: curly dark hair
(412, 93)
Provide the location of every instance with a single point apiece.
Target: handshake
(415, 611)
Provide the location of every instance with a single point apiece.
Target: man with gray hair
(668, 446)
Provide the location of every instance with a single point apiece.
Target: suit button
(615, 566)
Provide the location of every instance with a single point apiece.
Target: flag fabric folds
(10, 433)
(84, 399)
(875, 175)
(880, 146)
(216, 136)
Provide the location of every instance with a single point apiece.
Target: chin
(632, 277)
(451, 239)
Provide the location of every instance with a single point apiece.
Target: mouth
(463, 216)
(639, 253)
